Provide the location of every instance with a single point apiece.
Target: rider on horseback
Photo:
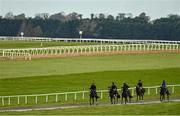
(125, 87)
(114, 87)
(93, 88)
(139, 84)
(163, 84)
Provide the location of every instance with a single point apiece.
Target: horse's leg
(137, 97)
(122, 100)
(160, 97)
(111, 100)
(114, 100)
(93, 100)
(125, 99)
(90, 101)
(96, 100)
(129, 99)
(168, 97)
(117, 99)
(163, 97)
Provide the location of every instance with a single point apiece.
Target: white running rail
(7, 99)
(113, 41)
(68, 50)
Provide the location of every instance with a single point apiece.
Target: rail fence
(67, 50)
(58, 96)
(113, 41)
(14, 55)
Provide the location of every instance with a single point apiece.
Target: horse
(114, 95)
(140, 93)
(126, 94)
(163, 92)
(93, 97)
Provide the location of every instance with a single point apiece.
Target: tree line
(122, 26)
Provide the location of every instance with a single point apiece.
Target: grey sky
(153, 8)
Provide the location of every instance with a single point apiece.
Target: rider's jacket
(125, 87)
(93, 87)
(114, 87)
(139, 84)
(163, 85)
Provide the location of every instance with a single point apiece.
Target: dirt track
(103, 53)
(51, 107)
(93, 54)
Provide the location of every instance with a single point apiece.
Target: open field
(45, 67)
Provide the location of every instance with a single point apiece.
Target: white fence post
(3, 101)
(46, 98)
(26, 99)
(173, 89)
(75, 96)
(156, 90)
(66, 97)
(18, 100)
(83, 95)
(101, 94)
(9, 101)
(148, 91)
(36, 99)
(132, 91)
(56, 97)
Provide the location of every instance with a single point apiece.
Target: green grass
(146, 109)
(63, 66)
(79, 82)
(37, 44)
(77, 73)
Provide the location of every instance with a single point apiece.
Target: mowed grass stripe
(37, 44)
(63, 66)
(80, 82)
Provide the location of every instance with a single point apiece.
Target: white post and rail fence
(86, 49)
(59, 97)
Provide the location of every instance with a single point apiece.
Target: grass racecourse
(77, 73)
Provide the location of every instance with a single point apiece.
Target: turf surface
(76, 74)
(38, 44)
(148, 109)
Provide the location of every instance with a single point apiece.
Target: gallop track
(39, 108)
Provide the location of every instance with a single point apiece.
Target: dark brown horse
(114, 95)
(163, 92)
(140, 93)
(93, 97)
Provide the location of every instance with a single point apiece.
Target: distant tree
(92, 16)
(173, 16)
(43, 16)
(143, 16)
(37, 31)
(72, 16)
(120, 16)
(110, 17)
(9, 15)
(80, 16)
(101, 16)
(59, 16)
(20, 17)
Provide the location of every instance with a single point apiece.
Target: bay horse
(140, 93)
(163, 92)
(126, 94)
(93, 97)
(114, 95)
